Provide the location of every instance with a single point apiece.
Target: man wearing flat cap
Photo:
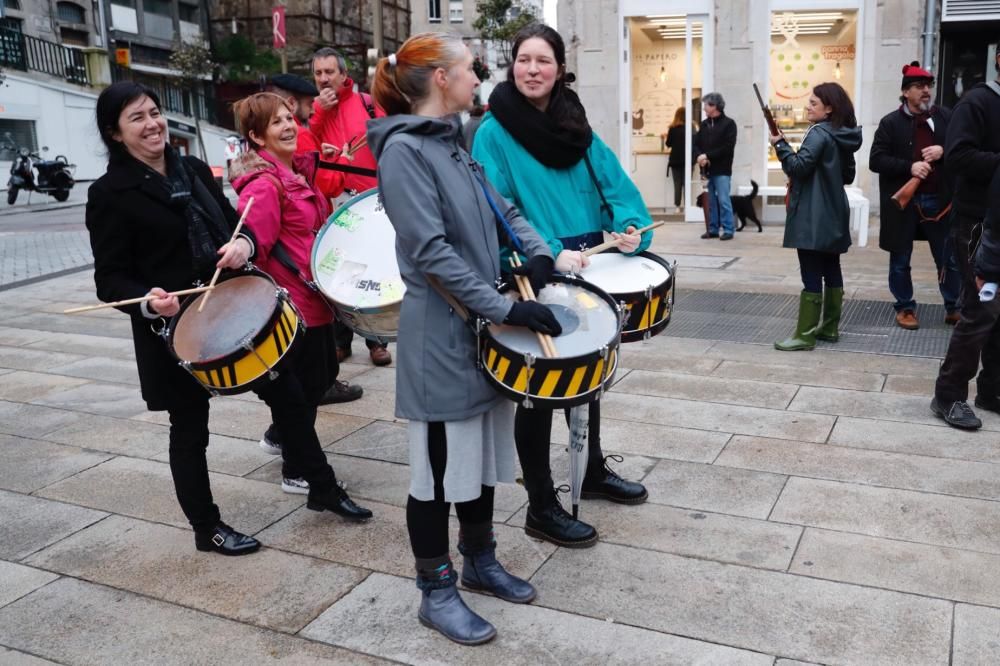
(909, 143)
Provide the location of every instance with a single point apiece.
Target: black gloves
(538, 270)
(535, 316)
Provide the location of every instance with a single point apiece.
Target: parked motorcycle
(55, 177)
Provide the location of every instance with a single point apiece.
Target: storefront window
(807, 48)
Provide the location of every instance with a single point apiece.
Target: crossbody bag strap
(605, 206)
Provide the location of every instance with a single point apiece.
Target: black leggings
(427, 522)
(677, 175)
(819, 267)
(533, 435)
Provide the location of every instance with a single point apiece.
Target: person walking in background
(909, 143)
(817, 222)
(715, 144)
(340, 118)
(677, 161)
(471, 125)
(972, 152)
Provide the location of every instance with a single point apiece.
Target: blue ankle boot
(481, 571)
(442, 609)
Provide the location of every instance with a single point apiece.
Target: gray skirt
(480, 453)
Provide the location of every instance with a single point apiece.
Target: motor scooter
(54, 177)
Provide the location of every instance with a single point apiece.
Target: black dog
(742, 207)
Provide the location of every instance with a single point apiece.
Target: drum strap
(459, 309)
(333, 166)
(605, 206)
(501, 220)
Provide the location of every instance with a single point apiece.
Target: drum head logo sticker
(331, 261)
(348, 220)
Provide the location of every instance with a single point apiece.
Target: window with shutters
(970, 10)
(20, 134)
(70, 12)
(455, 11)
(434, 11)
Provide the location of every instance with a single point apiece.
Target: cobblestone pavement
(803, 507)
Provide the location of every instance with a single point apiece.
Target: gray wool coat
(445, 227)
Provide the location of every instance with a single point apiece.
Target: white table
(860, 207)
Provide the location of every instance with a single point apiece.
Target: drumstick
(132, 301)
(612, 243)
(356, 147)
(528, 294)
(236, 231)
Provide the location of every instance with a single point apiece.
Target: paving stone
(98, 624)
(793, 662)
(803, 376)
(87, 345)
(766, 611)
(708, 389)
(651, 440)
(15, 658)
(932, 571)
(936, 520)
(881, 406)
(374, 404)
(821, 360)
(709, 536)
(31, 523)
(919, 386)
(29, 464)
(977, 636)
(16, 581)
(118, 370)
(382, 544)
(127, 437)
(32, 420)
(375, 378)
(647, 356)
(525, 634)
(379, 440)
(891, 470)
(15, 337)
(271, 588)
(118, 327)
(22, 358)
(720, 417)
(713, 488)
(107, 399)
(930, 440)
(25, 386)
(144, 489)
(665, 343)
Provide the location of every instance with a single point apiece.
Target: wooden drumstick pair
(613, 243)
(528, 294)
(207, 290)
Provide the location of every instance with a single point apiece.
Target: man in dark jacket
(909, 143)
(972, 151)
(715, 145)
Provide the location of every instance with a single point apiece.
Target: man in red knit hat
(909, 143)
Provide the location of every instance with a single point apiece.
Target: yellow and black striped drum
(587, 349)
(644, 283)
(246, 329)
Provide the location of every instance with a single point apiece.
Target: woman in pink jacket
(286, 214)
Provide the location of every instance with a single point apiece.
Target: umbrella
(579, 425)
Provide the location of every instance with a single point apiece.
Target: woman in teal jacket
(539, 151)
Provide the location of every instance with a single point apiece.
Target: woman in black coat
(158, 223)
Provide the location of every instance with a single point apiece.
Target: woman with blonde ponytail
(449, 222)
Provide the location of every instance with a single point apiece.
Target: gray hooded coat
(445, 228)
(819, 216)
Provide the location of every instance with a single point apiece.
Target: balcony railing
(20, 51)
(173, 98)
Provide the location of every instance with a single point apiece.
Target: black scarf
(540, 134)
(207, 230)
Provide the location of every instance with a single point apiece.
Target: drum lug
(478, 326)
(247, 344)
(605, 352)
(187, 366)
(649, 312)
(529, 362)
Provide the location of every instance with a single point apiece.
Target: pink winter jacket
(286, 208)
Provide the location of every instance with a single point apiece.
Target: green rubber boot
(833, 306)
(804, 338)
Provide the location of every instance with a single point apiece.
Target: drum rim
(665, 285)
(221, 361)
(558, 403)
(542, 361)
(315, 249)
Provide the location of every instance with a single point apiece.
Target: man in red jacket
(340, 117)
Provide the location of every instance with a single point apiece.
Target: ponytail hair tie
(392, 60)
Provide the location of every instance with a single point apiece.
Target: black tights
(817, 267)
(533, 434)
(427, 522)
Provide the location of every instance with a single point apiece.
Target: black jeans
(977, 334)
(345, 335)
(189, 441)
(677, 175)
(427, 522)
(533, 435)
(818, 267)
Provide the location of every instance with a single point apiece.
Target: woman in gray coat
(448, 222)
(817, 222)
